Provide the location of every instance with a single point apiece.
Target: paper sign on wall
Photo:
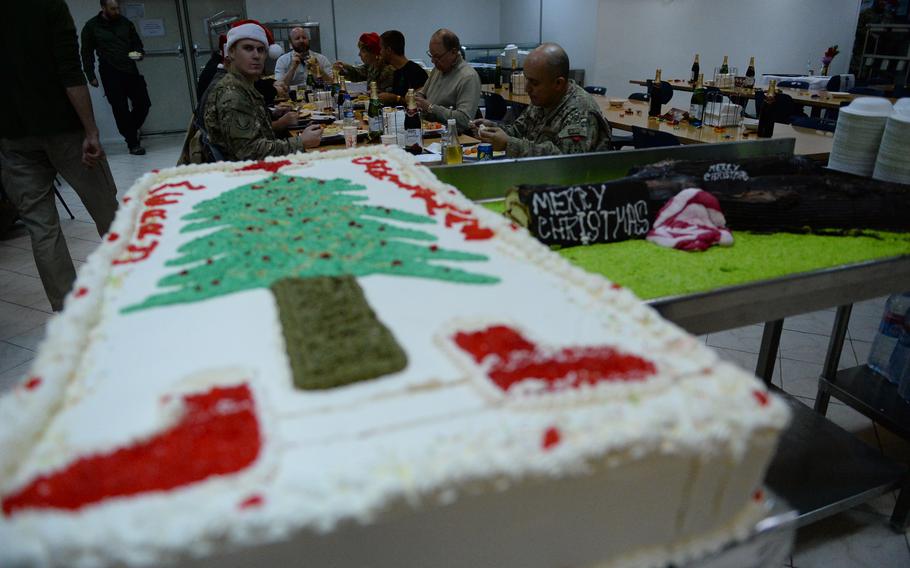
(152, 27)
(134, 11)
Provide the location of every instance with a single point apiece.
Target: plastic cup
(350, 136)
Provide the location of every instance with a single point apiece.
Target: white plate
(750, 124)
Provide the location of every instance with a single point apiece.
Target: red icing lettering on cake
(470, 226)
(184, 184)
(81, 291)
(264, 165)
(32, 383)
(219, 429)
(112, 237)
(252, 501)
(551, 438)
(156, 201)
(761, 397)
(515, 359)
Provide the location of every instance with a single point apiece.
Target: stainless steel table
(820, 468)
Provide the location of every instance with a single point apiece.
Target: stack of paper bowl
(893, 162)
(858, 135)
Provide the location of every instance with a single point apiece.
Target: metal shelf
(821, 469)
(868, 392)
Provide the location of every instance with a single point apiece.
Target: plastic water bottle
(888, 332)
(347, 111)
(900, 361)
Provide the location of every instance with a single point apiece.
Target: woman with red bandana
(373, 68)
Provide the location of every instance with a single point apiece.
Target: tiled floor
(858, 538)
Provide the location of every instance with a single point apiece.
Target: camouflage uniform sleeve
(243, 130)
(519, 128)
(356, 73)
(386, 79)
(579, 134)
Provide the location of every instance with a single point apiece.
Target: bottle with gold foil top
(413, 128)
(497, 79)
(768, 110)
(696, 68)
(374, 114)
(512, 75)
(654, 96)
(725, 66)
(750, 74)
(698, 102)
(342, 91)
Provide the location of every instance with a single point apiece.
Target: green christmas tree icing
(285, 226)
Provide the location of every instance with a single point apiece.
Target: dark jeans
(120, 87)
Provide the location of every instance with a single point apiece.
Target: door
(199, 16)
(175, 36)
(164, 67)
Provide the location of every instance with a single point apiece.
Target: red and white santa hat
(252, 29)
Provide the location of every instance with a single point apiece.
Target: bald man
(562, 118)
(290, 68)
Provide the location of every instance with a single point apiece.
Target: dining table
(812, 143)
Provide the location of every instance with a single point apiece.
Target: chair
(789, 84)
(833, 84)
(60, 197)
(812, 122)
(783, 106)
(646, 138)
(496, 106)
(645, 97)
(214, 152)
(594, 90)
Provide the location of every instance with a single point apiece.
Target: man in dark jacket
(118, 45)
(47, 127)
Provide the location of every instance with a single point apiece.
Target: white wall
(519, 21)
(634, 37)
(314, 10)
(475, 21)
(573, 25)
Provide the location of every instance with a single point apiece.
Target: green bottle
(374, 112)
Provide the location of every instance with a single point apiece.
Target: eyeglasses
(438, 57)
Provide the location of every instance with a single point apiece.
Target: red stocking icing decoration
(217, 435)
(516, 359)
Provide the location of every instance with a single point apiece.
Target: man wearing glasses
(453, 89)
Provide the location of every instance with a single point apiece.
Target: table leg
(832, 358)
(900, 518)
(767, 353)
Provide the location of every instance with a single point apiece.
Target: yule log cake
(336, 360)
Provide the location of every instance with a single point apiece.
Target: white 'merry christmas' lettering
(725, 171)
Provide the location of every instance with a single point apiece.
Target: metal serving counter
(820, 469)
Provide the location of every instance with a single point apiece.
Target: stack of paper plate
(893, 162)
(858, 135)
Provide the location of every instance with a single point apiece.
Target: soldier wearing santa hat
(235, 118)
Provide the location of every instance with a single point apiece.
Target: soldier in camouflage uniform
(235, 118)
(562, 119)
